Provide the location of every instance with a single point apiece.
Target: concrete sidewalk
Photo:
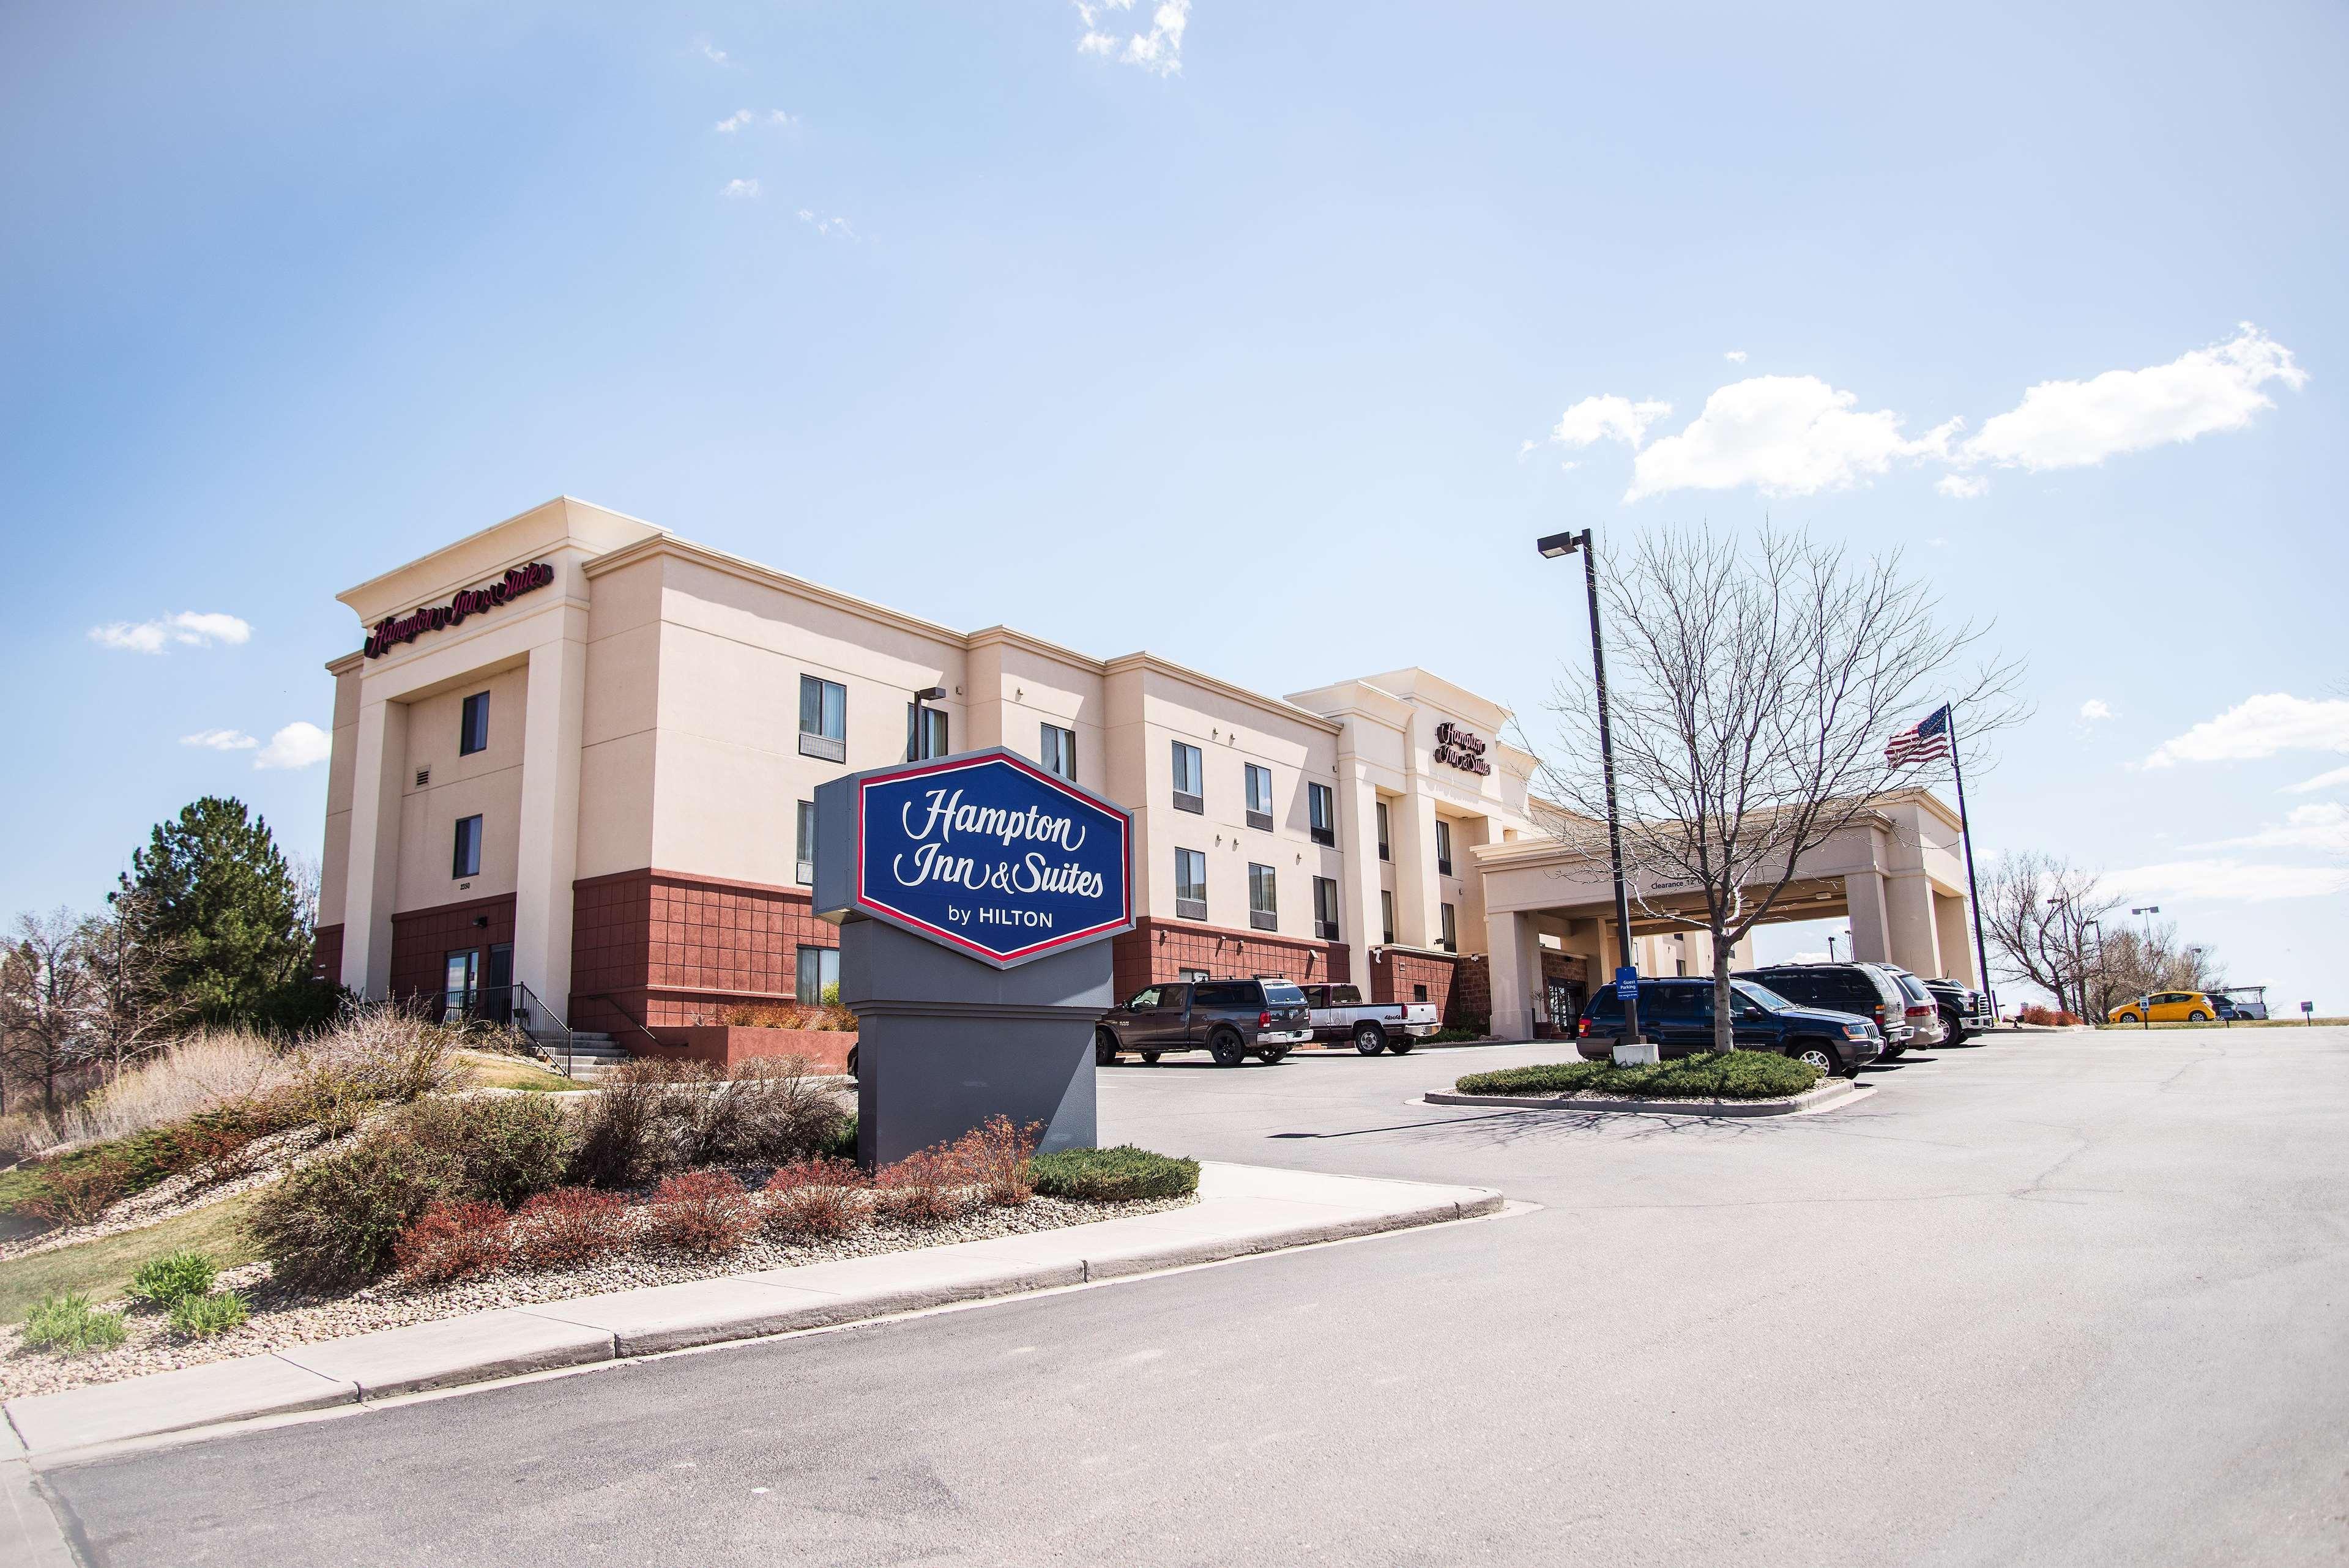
(1242, 1209)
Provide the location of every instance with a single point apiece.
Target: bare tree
(2036, 910)
(130, 960)
(2133, 962)
(45, 1003)
(1752, 688)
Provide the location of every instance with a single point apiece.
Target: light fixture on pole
(2148, 911)
(1552, 547)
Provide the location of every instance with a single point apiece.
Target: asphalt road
(2063, 1300)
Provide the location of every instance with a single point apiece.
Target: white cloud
(1784, 435)
(780, 117)
(1608, 418)
(2260, 727)
(2078, 424)
(1735, 357)
(300, 744)
(1963, 487)
(829, 228)
(713, 54)
(2321, 781)
(2323, 825)
(2227, 878)
(739, 190)
(735, 121)
(2095, 709)
(219, 740)
(1158, 51)
(189, 628)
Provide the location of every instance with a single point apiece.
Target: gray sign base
(944, 1042)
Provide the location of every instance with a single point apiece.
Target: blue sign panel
(1627, 983)
(992, 856)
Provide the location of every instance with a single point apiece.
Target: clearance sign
(394, 630)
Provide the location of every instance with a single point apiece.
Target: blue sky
(1260, 336)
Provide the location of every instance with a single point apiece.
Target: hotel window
(473, 727)
(824, 720)
(1264, 902)
(1321, 812)
(818, 977)
(1259, 796)
(931, 741)
(1189, 795)
(1386, 914)
(1449, 941)
(806, 856)
(1384, 853)
(1325, 908)
(467, 861)
(1191, 885)
(1059, 751)
(1443, 848)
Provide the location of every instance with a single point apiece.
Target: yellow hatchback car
(2165, 1007)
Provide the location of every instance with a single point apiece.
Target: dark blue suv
(1677, 1015)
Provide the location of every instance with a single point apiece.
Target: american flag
(1925, 742)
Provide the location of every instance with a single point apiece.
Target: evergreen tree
(215, 893)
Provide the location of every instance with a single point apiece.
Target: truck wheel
(1370, 1039)
(1151, 1057)
(1271, 1055)
(1104, 1048)
(1227, 1047)
(1954, 1031)
(852, 1061)
(1401, 1045)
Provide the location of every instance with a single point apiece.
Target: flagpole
(1966, 836)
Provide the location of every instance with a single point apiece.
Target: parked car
(1677, 1015)
(1923, 1013)
(1965, 1013)
(1866, 989)
(2165, 1007)
(2241, 1001)
(1229, 1019)
(1339, 1013)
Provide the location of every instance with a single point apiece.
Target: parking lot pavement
(2060, 1301)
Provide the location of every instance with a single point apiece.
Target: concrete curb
(1243, 1210)
(1828, 1096)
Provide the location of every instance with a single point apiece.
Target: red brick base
(326, 954)
(824, 1050)
(1158, 950)
(1461, 987)
(668, 951)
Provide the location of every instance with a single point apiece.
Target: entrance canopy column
(1872, 934)
(1417, 888)
(1514, 949)
(547, 853)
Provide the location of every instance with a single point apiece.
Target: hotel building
(576, 753)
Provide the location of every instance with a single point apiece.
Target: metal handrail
(605, 996)
(569, 1037)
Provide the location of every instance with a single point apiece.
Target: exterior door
(497, 984)
(459, 985)
(1565, 1005)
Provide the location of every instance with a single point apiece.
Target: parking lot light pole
(1552, 547)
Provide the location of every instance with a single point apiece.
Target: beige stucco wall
(488, 782)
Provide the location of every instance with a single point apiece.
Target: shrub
(2036, 1014)
(812, 1199)
(375, 1055)
(76, 1191)
(842, 1145)
(993, 1159)
(830, 1017)
(1708, 1075)
(1120, 1175)
(700, 1211)
(765, 1109)
(174, 1278)
(335, 1219)
(623, 1135)
(201, 1072)
(25, 1133)
(568, 1226)
(508, 1146)
(453, 1240)
(202, 1317)
(926, 1188)
(69, 1324)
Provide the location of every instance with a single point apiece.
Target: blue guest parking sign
(989, 854)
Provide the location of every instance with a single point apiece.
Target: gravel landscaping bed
(269, 1159)
(282, 1319)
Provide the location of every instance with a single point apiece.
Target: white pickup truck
(1339, 1013)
